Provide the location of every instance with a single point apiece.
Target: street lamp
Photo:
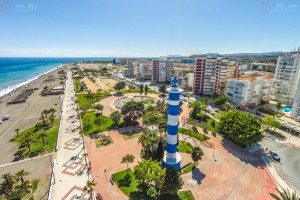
(214, 154)
(47, 141)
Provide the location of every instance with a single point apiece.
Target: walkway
(70, 170)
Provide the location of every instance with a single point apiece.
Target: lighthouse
(172, 157)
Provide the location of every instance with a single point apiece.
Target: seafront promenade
(70, 166)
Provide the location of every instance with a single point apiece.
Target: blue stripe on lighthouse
(173, 110)
(174, 96)
(171, 148)
(172, 130)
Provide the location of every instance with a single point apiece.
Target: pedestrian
(104, 170)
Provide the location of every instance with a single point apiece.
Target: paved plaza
(70, 174)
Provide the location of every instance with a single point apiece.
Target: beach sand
(26, 114)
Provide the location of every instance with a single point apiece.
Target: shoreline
(23, 85)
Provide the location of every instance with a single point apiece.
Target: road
(289, 167)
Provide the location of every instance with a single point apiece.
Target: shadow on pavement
(197, 175)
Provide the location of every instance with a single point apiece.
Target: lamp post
(214, 154)
(47, 141)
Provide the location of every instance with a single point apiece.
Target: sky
(146, 28)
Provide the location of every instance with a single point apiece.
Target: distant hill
(176, 56)
(275, 53)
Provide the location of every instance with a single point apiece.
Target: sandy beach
(25, 115)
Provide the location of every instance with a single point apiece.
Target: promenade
(70, 171)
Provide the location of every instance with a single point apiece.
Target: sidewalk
(291, 140)
(70, 173)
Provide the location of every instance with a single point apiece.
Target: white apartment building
(145, 71)
(247, 91)
(296, 105)
(286, 78)
(163, 70)
(208, 73)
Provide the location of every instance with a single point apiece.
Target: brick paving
(71, 169)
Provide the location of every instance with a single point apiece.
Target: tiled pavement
(71, 169)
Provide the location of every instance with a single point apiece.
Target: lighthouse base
(174, 162)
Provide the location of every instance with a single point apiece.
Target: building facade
(145, 71)
(286, 78)
(155, 70)
(208, 73)
(162, 70)
(248, 91)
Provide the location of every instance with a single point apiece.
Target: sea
(15, 72)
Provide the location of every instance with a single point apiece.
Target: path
(70, 171)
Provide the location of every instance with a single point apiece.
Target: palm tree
(42, 134)
(28, 140)
(144, 139)
(90, 187)
(19, 176)
(17, 131)
(51, 116)
(8, 183)
(222, 87)
(89, 96)
(285, 195)
(26, 185)
(278, 105)
(154, 139)
(129, 158)
(205, 101)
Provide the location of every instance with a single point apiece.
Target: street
(289, 166)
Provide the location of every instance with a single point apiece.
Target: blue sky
(146, 27)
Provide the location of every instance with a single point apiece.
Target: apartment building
(286, 78)
(163, 70)
(155, 69)
(122, 61)
(295, 114)
(209, 71)
(130, 71)
(247, 91)
(145, 71)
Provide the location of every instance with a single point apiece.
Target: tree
(20, 175)
(119, 86)
(146, 90)
(116, 117)
(150, 172)
(42, 135)
(90, 187)
(129, 158)
(17, 131)
(285, 195)
(89, 96)
(197, 154)
(270, 121)
(141, 89)
(162, 88)
(197, 107)
(219, 101)
(242, 128)
(28, 140)
(8, 184)
(160, 151)
(145, 140)
(279, 105)
(98, 108)
(222, 87)
(132, 111)
(153, 118)
(51, 115)
(172, 182)
(98, 122)
(205, 101)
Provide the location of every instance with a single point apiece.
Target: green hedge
(193, 134)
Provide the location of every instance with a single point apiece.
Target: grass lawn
(36, 147)
(129, 91)
(193, 134)
(185, 147)
(153, 92)
(82, 101)
(189, 168)
(276, 134)
(89, 127)
(129, 135)
(185, 195)
(208, 125)
(126, 181)
(77, 85)
(101, 142)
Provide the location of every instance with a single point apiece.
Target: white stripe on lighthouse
(172, 139)
(171, 155)
(173, 120)
(173, 103)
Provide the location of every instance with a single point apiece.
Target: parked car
(5, 117)
(274, 156)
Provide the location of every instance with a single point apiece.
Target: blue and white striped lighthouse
(172, 157)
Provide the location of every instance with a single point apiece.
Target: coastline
(23, 85)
